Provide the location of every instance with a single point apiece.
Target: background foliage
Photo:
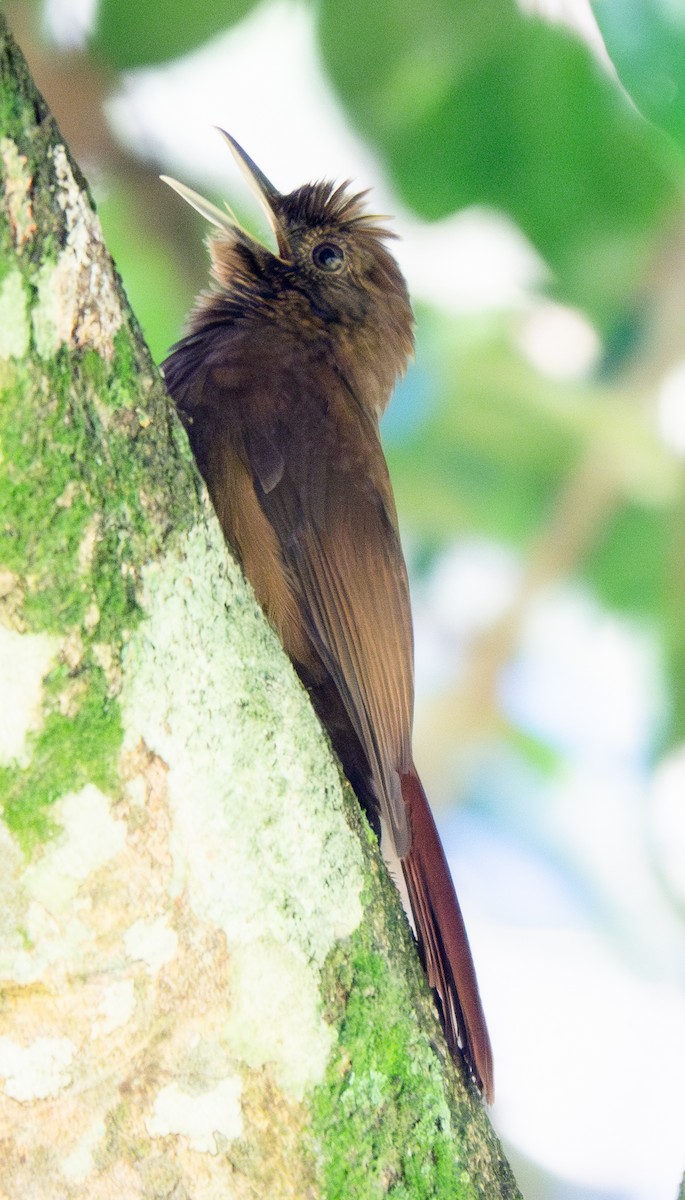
(575, 473)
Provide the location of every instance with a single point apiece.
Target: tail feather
(442, 939)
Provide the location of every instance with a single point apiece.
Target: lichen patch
(14, 321)
(115, 1008)
(78, 302)
(199, 1116)
(77, 1165)
(35, 1071)
(244, 853)
(152, 942)
(17, 193)
(89, 837)
(25, 659)
(274, 1019)
(258, 853)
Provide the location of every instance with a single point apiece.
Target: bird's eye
(328, 257)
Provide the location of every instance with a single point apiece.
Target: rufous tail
(442, 939)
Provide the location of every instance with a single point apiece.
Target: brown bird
(288, 364)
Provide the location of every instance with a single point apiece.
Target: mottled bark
(207, 987)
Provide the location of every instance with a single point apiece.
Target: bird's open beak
(266, 193)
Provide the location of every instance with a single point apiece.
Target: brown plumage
(288, 364)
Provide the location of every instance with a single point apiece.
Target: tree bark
(207, 985)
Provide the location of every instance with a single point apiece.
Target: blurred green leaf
(646, 42)
(133, 35)
(627, 566)
(471, 103)
(147, 276)
(498, 446)
(493, 448)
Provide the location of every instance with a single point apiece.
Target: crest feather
(324, 203)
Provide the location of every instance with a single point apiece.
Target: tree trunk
(207, 986)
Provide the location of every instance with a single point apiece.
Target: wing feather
(335, 520)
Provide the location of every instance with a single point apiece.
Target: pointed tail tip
(486, 1076)
(443, 941)
(467, 1039)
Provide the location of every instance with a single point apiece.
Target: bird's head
(330, 251)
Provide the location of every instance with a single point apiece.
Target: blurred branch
(470, 714)
(662, 301)
(621, 457)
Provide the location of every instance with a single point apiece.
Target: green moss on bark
(70, 750)
(382, 1119)
(391, 1119)
(96, 475)
(81, 505)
